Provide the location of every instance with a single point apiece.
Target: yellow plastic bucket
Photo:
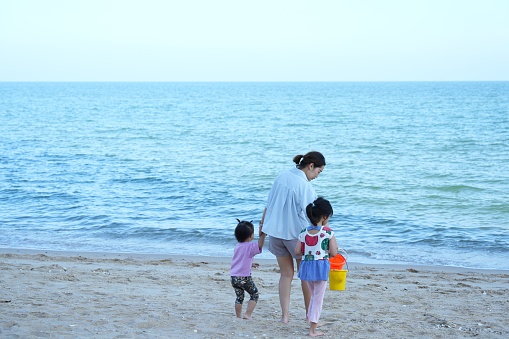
(337, 279)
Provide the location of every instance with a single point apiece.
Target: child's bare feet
(316, 333)
(317, 325)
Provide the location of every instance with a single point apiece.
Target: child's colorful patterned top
(316, 246)
(315, 265)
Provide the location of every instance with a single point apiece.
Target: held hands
(261, 237)
(260, 230)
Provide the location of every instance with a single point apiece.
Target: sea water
(417, 172)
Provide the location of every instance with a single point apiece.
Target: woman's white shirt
(286, 205)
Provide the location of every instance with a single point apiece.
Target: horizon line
(241, 81)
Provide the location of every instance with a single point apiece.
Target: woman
(284, 217)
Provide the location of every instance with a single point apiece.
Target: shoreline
(76, 294)
(218, 259)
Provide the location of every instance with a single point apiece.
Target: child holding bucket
(316, 244)
(240, 270)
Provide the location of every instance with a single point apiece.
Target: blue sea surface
(417, 172)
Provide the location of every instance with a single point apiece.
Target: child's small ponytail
(318, 209)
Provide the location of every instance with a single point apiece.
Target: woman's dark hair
(318, 209)
(312, 157)
(244, 230)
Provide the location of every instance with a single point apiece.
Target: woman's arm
(261, 221)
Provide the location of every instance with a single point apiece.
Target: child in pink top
(240, 271)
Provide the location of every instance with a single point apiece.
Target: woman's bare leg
(305, 289)
(286, 269)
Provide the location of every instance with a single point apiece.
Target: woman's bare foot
(247, 317)
(284, 320)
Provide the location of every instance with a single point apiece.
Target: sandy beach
(45, 294)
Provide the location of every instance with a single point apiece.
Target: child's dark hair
(318, 209)
(244, 230)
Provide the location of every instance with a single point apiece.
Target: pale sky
(257, 40)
